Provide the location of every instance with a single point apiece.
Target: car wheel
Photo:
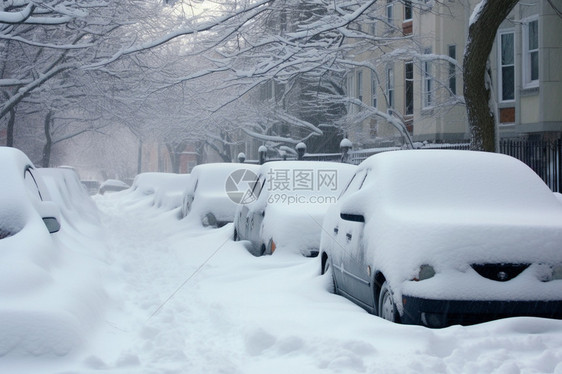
(186, 206)
(209, 220)
(386, 307)
(325, 265)
(327, 270)
(262, 250)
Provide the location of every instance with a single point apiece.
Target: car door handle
(348, 236)
(336, 230)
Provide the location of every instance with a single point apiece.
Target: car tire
(186, 206)
(327, 270)
(386, 307)
(209, 220)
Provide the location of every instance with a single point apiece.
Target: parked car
(49, 283)
(70, 195)
(446, 237)
(25, 210)
(113, 185)
(91, 186)
(290, 199)
(214, 190)
(165, 189)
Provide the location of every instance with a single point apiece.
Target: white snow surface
(173, 297)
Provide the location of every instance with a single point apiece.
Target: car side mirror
(352, 217)
(53, 224)
(50, 213)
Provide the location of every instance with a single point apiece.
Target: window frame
(389, 75)
(409, 88)
(408, 5)
(374, 84)
(427, 80)
(452, 52)
(527, 64)
(501, 66)
(389, 14)
(359, 85)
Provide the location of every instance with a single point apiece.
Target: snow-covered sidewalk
(185, 299)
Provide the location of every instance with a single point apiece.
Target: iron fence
(544, 157)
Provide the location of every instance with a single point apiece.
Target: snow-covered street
(187, 299)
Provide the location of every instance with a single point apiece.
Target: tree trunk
(139, 158)
(10, 129)
(49, 141)
(481, 36)
(175, 156)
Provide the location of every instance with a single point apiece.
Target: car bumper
(443, 313)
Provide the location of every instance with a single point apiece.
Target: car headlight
(557, 272)
(425, 272)
(547, 273)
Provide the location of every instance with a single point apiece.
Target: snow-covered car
(113, 185)
(25, 210)
(441, 237)
(71, 196)
(91, 186)
(287, 205)
(50, 290)
(165, 189)
(214, 190)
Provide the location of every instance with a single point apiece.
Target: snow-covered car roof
(446, 181)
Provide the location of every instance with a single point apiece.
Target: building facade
(419, 78)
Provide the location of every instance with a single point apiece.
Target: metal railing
(544, 157)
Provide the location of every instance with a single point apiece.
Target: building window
(390, 86)
(389, 11)
(531, 53)
(407, 10)
(452, 70)
(374, 84)
(427, 81)
(359, 86)
(349, 79)
(409, 87)
(506, 74)
(373, 28)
